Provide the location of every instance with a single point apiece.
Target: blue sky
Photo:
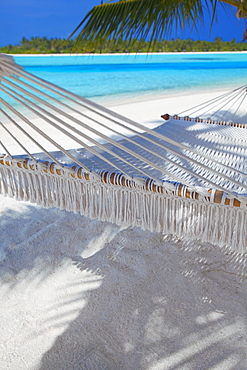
(58, 18)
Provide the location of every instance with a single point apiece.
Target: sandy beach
(82, 294)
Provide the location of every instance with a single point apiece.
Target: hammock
(186, 177)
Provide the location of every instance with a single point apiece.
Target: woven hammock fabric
(186, 177)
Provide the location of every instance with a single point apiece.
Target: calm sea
(124, 76)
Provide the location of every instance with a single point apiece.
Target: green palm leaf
(153, 19)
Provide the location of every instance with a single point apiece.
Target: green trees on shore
(38, 45)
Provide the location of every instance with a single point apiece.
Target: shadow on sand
(92, 296)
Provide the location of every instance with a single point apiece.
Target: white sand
(133, 300)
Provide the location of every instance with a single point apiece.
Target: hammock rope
(101, 135)
(217, 104)
(132, 123)
(94, 161)
(86, 137)
(152, 164)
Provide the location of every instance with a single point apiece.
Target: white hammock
(187, 177)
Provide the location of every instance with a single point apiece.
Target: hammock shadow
(135, 300)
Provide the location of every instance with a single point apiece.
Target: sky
(58, 18)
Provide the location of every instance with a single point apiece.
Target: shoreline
(121, 54)
(135, 98)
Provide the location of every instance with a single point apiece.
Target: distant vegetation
(43, 45)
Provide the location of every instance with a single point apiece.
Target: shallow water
(125, 76)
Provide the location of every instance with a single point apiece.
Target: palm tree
(131, 19)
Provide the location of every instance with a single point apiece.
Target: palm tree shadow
(40, 240)
(160, 304)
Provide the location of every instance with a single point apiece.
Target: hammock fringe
(129, 206)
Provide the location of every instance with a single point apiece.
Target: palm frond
(152, 19)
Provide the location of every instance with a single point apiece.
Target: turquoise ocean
(116, 77)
